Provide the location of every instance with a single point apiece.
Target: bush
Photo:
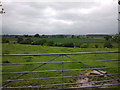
(36, 35)
(24, 40)
(77, 44)
(19, 39)
(69, 44)
(5, 40)
(50, 43)
(58, 44)
(96, 46)
(84, 46)
(39, 42)
(108, 45)
(5, 61)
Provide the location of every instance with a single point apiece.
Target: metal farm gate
(63, 85)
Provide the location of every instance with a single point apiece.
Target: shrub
(108, 45)
(50, 43)
(5, 61)
(58, 44)
(36, 35)
(24, 40)
(39, 42)
(96, 46)
(19, 39)
(77, 44)
(84, 46)
(5, 40)
(69, 44)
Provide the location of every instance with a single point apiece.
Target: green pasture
(70, 40)
(91, 42)
(9, 48)
(59, 40)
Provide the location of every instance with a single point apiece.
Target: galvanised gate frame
(62, 70)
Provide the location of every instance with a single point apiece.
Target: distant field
(82, 40)
(70, 40)
(37, 49)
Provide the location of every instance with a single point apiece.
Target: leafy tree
(26, 41)
(36, 35)
(72, 36)
(68, 44)
(4, 40)
(19, 39)
(119, 2)
(77, 44)
(22, 40)
(116, 38)
(39, 42)
(1, 11)
(84, 46)
(96, 46)
(50, 43)
(108, 37)
(26, 35)
(108, 45)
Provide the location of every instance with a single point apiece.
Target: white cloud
(49, 12)
(79, 11)
(55, 18)
(58, 21)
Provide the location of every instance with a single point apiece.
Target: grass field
(70, 40)
(37, 49)
(90, 42)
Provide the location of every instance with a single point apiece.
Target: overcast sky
(60, 17)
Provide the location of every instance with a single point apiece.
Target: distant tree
(77, 44)
(36, 35)
(23, 40)
(50, 43)
(4, 40)
(116, 38)
(19, 39)
(26, 41)
(85, 45)
(16, 36)
(109, 37)
(78, 36)
(68, 44)
(96, 46)
(72, 36)
(26, 35)
(39, 42)
(108, 45)
(2, 9)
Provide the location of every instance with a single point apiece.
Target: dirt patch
(91, 81)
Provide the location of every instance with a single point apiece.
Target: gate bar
(61, 62)
(58, 54)
(58, 70)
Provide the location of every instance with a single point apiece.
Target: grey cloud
(59, 18)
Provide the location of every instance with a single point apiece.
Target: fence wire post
(62, 71)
